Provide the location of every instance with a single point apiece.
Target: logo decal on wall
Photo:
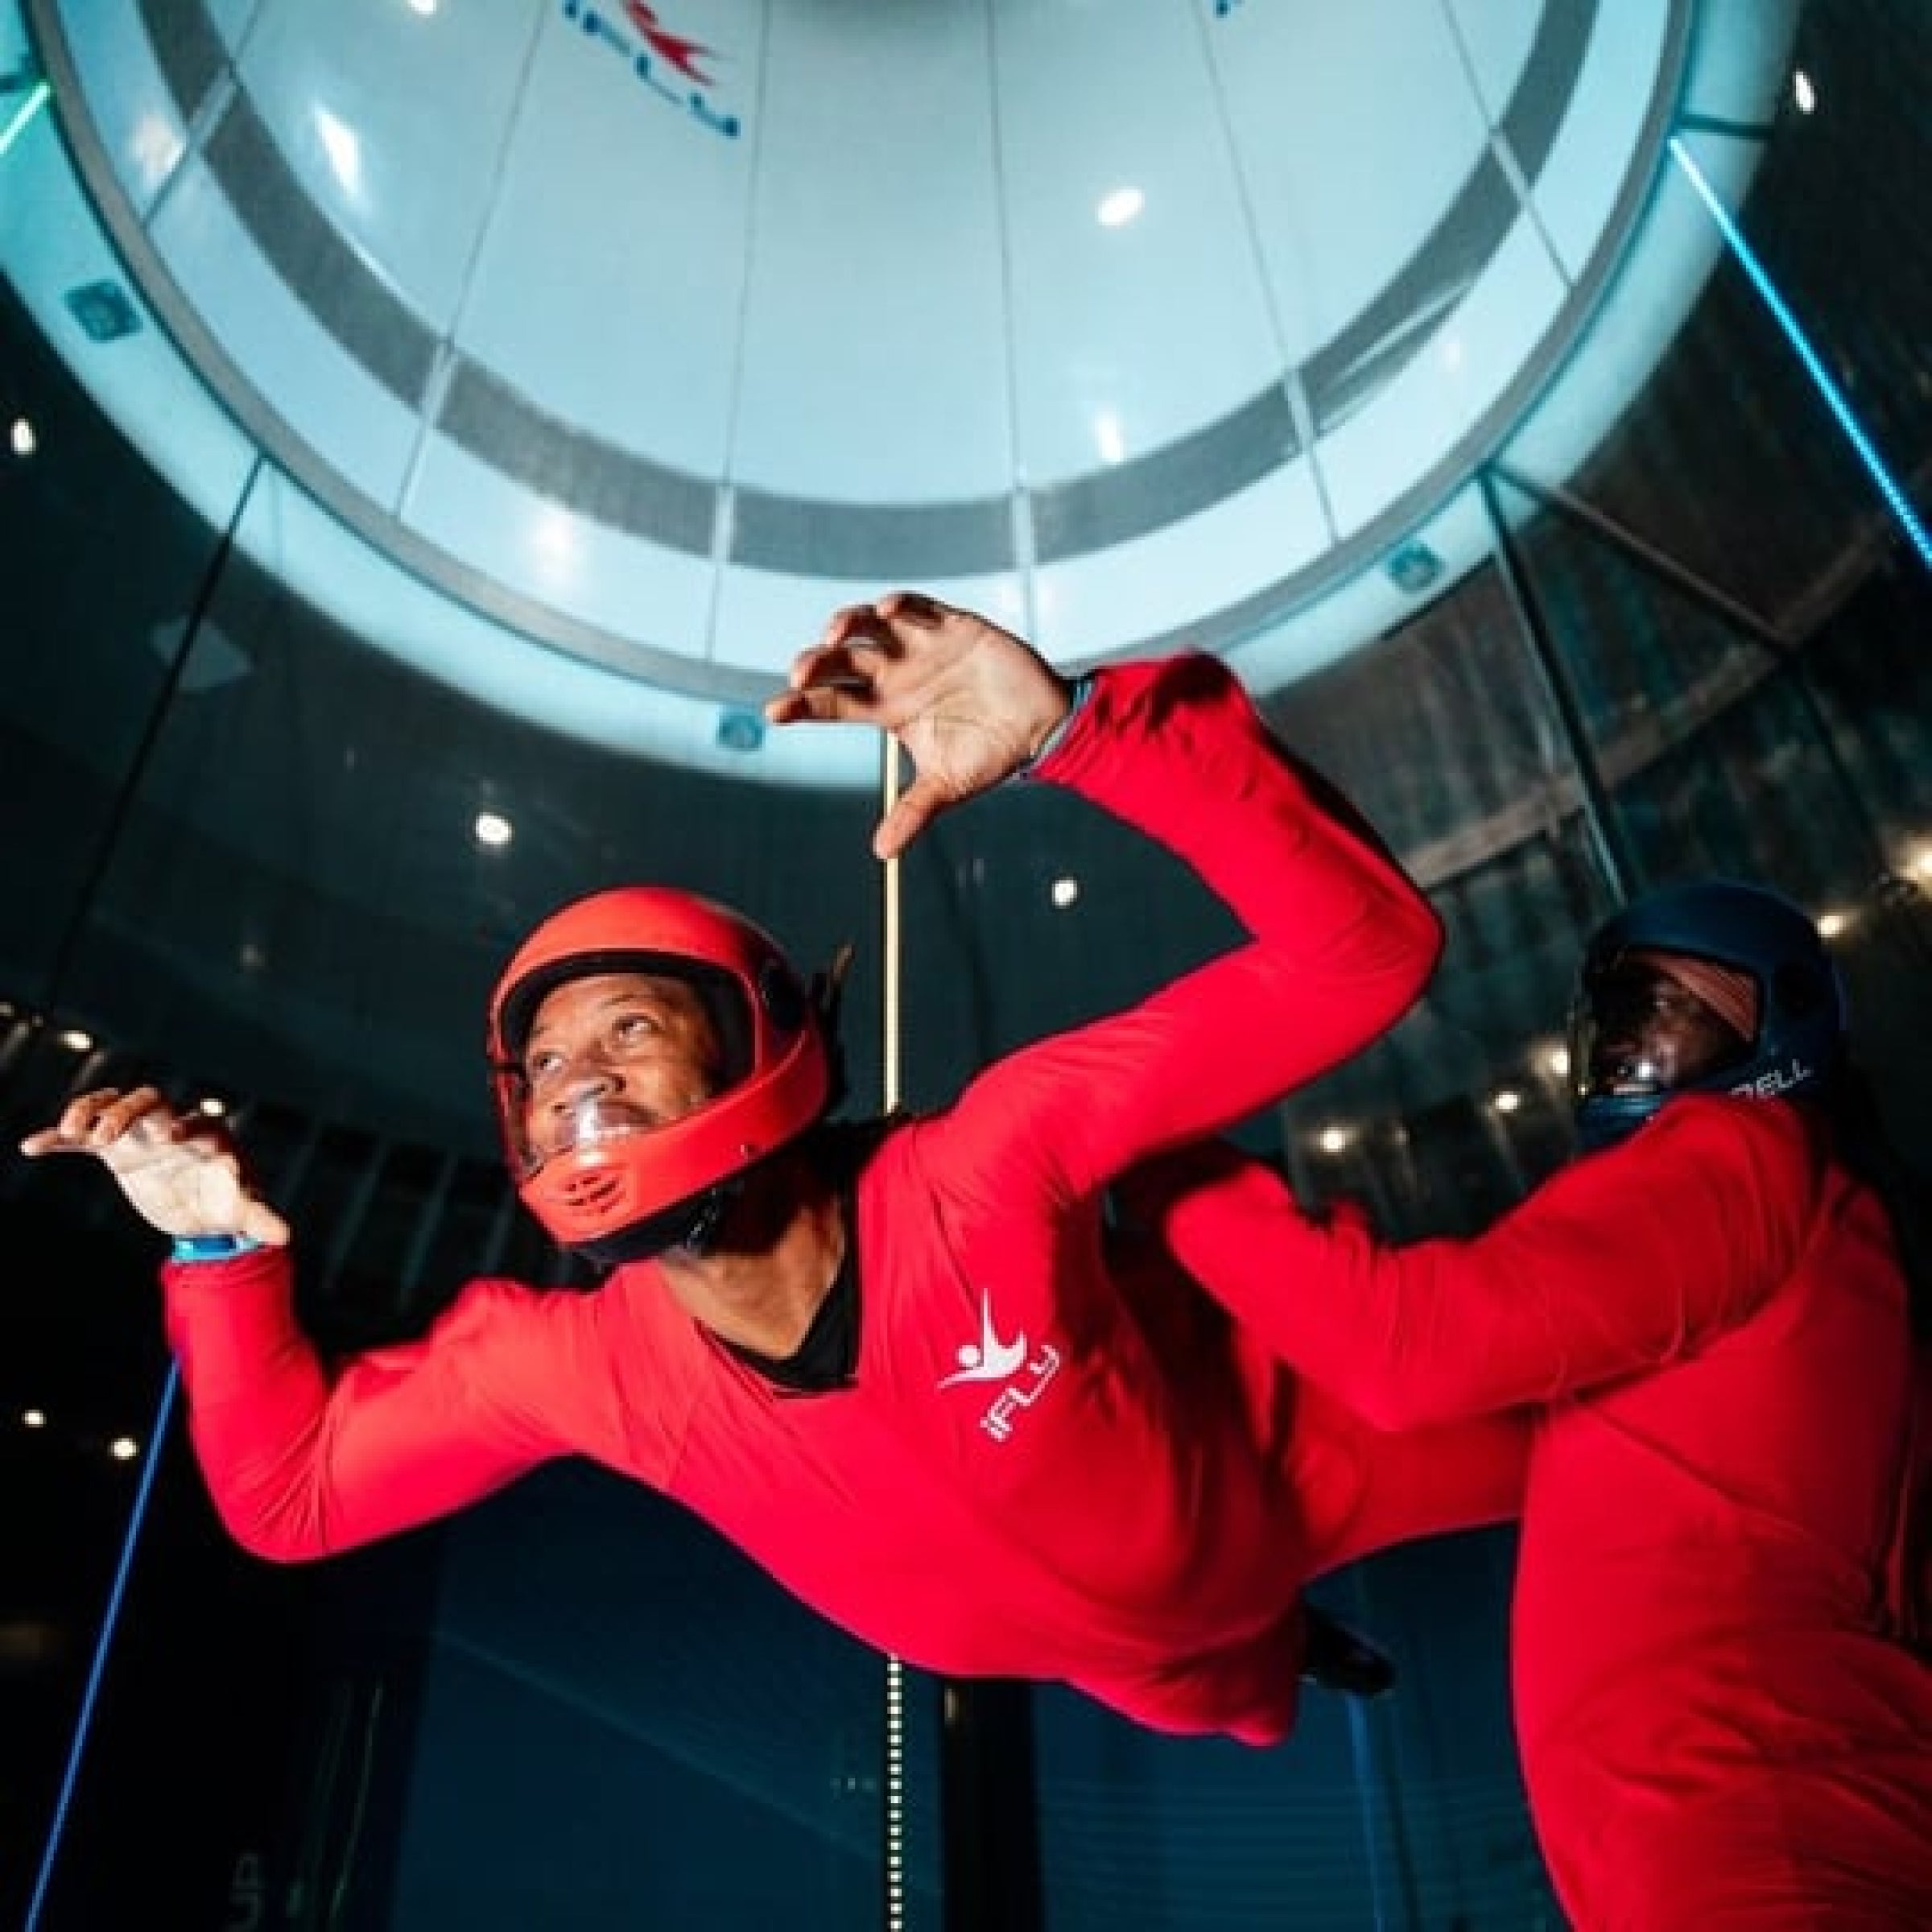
(683, 55)
(668, 63)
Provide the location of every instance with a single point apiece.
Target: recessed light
(344, 148)
(493, 829)
(1118, 208)
(1413, 567)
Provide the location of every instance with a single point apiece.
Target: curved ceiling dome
(599, 350)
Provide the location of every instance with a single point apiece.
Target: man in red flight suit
(900, 1365)
(1722, 1697)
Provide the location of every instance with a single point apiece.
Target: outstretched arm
(1341, 942)
(1626, 1261)
(300, 1461)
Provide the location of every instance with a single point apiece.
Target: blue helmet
(1800, 1035)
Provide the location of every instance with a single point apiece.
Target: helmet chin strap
(692, 1224)
(700, 1234)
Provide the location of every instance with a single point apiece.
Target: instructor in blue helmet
(1722, 1700)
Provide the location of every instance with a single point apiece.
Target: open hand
(179, 1171)
(971, 702)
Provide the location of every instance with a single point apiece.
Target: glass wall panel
(240, 852)
(623, 1723)
(1406, 1811)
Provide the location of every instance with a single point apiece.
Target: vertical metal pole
(892, 1777)
(991, 1830)
(1600, 813)
(1784, 654)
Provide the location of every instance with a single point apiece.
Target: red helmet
(602, 1190)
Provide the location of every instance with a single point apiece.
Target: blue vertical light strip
(1368, 1791)
(16, 125)
(1888, 484)
(102, 1645)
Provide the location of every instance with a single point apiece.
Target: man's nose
(587, 1078)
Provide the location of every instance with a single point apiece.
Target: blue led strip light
(23, 113)
(1888, 484)
(102, 1644)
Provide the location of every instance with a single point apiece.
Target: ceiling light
(344, 151)
(33, 1418)
(1832, 924)
(1332, 1140)
(1557, 1059)
(1063, 892)
(555, 544)
(156, 146)
(1802, 91)
(1921, 862)
(1506, 1101)
(212, 1107)
(1117, 209)
(22, 438)
(124, 1448)
(424, 7)
(72, 1036)
(493, 829)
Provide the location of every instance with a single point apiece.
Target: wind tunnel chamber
(431, 428)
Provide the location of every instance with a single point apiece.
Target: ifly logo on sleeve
(675, 67)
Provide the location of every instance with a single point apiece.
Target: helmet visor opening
(1646, 1023)
(645, 1043)
(723, 999)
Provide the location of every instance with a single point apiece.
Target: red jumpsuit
(1718, 1724)
(1057, 1461)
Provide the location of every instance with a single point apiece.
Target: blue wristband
(212, 1247)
